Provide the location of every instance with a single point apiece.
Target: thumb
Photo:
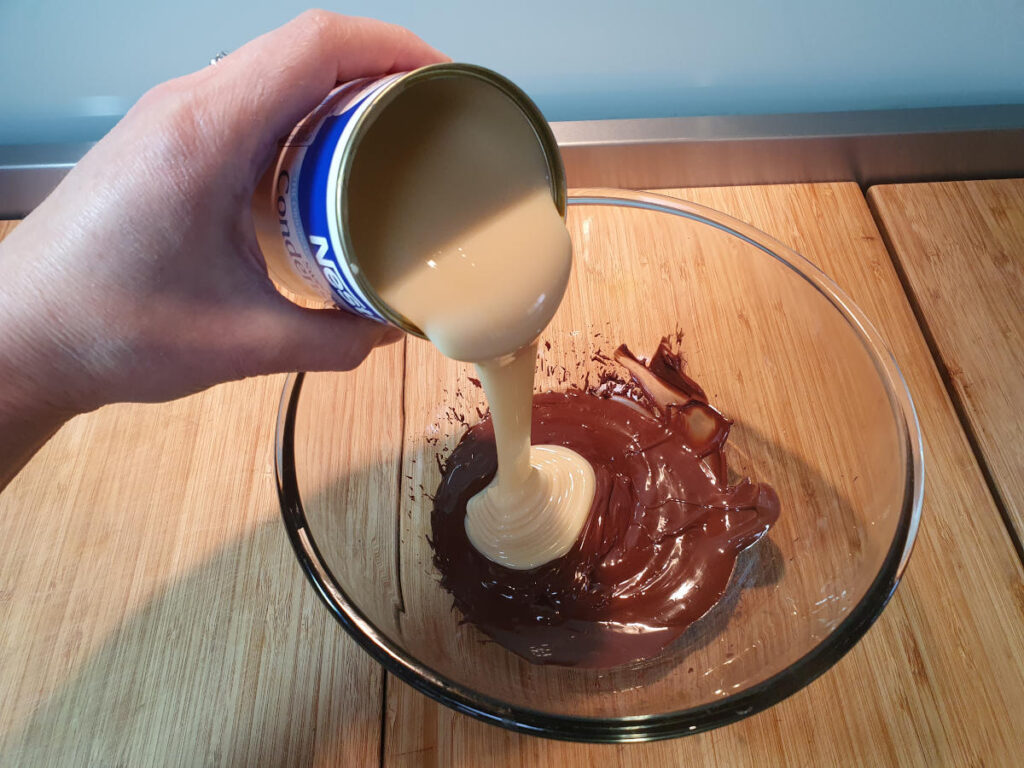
(322, 339)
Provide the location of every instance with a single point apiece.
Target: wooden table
(151, 611)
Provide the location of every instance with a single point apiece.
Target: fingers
(278, 78)
(320, 340)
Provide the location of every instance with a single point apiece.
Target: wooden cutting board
(151, 611)
(960, 248)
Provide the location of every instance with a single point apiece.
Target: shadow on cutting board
(235, 662)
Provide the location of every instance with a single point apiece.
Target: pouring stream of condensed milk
(458, 232)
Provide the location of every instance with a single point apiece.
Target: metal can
(304, 233)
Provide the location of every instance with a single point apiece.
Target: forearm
(23, 431)
(30, 359)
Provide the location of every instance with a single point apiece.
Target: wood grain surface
(937, 680)
(960, 248)
(151, 611)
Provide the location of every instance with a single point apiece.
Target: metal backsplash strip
(867, 147)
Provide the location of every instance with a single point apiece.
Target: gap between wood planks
(398, 554)
(947, 380)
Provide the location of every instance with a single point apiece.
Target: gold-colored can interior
(541, 129)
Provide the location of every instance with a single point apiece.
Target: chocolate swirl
(658, 547)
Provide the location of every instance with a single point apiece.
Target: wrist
(36, 362)
(30, 413)
(32, 384)
(25, 430)
(31, 394)
(22, 398)
(28, 417)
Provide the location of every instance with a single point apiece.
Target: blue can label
(306, 188)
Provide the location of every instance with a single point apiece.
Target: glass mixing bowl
(820, 411)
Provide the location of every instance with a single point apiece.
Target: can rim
(540, 127)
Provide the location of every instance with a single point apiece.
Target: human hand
(139, 278)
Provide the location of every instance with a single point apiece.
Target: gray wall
(69, 69)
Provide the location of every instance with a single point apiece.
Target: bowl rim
(651, 727)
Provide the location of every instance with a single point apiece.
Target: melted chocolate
(661, 540)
